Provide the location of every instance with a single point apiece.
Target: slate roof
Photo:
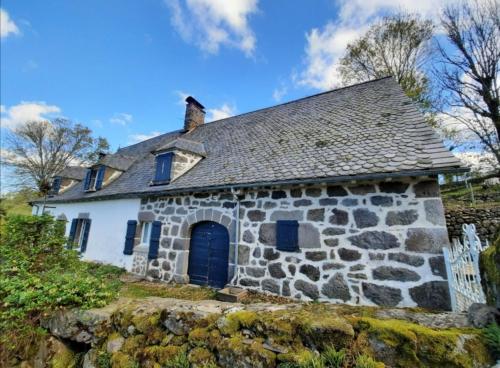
(73, 172)
(185, 145)
(369, 130)
(118, 161)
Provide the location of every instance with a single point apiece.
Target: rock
(267, 234)
(339, 217)
(296, 193)
(270, 254)
(434, 212)
(406, 217)
(426, 189)
(302, 202)
(256, 252)
(310, 271)
(287, 215)
(114, 343)
(376, 256)
(332, 266)
(332, 231)
(255, 271)
(278, 194)
(256, 215)
(374, 240)
(313, 192)
(432, 295)
(243, 254)
(249, 282)
(481, 315)
(365, 218)
(316, 256)
(336, 288)
(89, 359)
(285, 289)
(393, 187)
(276, 271)
(348, 254)
(271, 286)
(349, 202)
(394, 273)
(384, 296)
(362, 189)
(426, 240)
(308, 289)
(384, 201)
(438, 267)
(328, 202)
(358, 267)
(331, 242)
(316, 214)
(309, 236)
(336, 191)
(411, 260)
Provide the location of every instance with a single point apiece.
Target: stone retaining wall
(371, 244)
(487, 221)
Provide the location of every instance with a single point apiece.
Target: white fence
(462, 268)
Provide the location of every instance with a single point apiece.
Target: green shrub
(364, 361)
(492, 337)
(39, 275)
(180, 361)
(333, 358)
(314, 362)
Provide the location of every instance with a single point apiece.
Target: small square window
(287, 235)
(163, 168)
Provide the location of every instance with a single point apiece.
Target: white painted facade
(107, 231)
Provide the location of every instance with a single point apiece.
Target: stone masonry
(365, 243)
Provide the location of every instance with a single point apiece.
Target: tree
(398, 45)
(468, 71)
(38, 150)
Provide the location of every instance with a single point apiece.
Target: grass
(461, 196)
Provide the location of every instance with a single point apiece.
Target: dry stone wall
(371, 244)
(486, 220)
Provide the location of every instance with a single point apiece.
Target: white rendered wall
(107, 231)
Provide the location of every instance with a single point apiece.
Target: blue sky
(123, 67)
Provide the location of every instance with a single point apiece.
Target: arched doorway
(209, 254)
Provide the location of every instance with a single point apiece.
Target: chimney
(195, 114)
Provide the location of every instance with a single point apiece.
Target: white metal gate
(462, 268)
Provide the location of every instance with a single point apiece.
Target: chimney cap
(192, 100)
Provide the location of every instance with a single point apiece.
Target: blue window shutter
(287, 235)
(86, 182)
(56, 185)
(72, 232)
(129, 237)
(154, 241)
(100, 177)
(85, 235)
(163, 167)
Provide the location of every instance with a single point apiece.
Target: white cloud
(279, 92)
(135, 138)
(121, 118)
(182, 97)
(19, 114)
(326, 45)
(210, 24)
(7, 25)
(222, 112)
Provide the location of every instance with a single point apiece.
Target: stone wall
(486, 220)
(371, 244)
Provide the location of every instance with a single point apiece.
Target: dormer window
(56, 185)
(163, 168)
(94, 178)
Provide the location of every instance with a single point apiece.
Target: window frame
(167, 174)
(145, 231)
(281, 236)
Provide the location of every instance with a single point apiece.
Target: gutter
(237, 237)
(323, 180)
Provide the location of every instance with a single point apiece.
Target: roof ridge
(300, 99)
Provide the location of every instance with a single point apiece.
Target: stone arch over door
(183, 243)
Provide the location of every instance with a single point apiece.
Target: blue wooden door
(209, 255)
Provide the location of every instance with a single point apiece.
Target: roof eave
(326, 180)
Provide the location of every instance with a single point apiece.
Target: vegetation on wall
(38, 275)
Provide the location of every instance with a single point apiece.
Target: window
(163, 167)
(146, 233)
(287, 235)
(56, 185)
(79, 234)
(94, 178)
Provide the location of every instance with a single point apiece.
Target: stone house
(330, 197)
